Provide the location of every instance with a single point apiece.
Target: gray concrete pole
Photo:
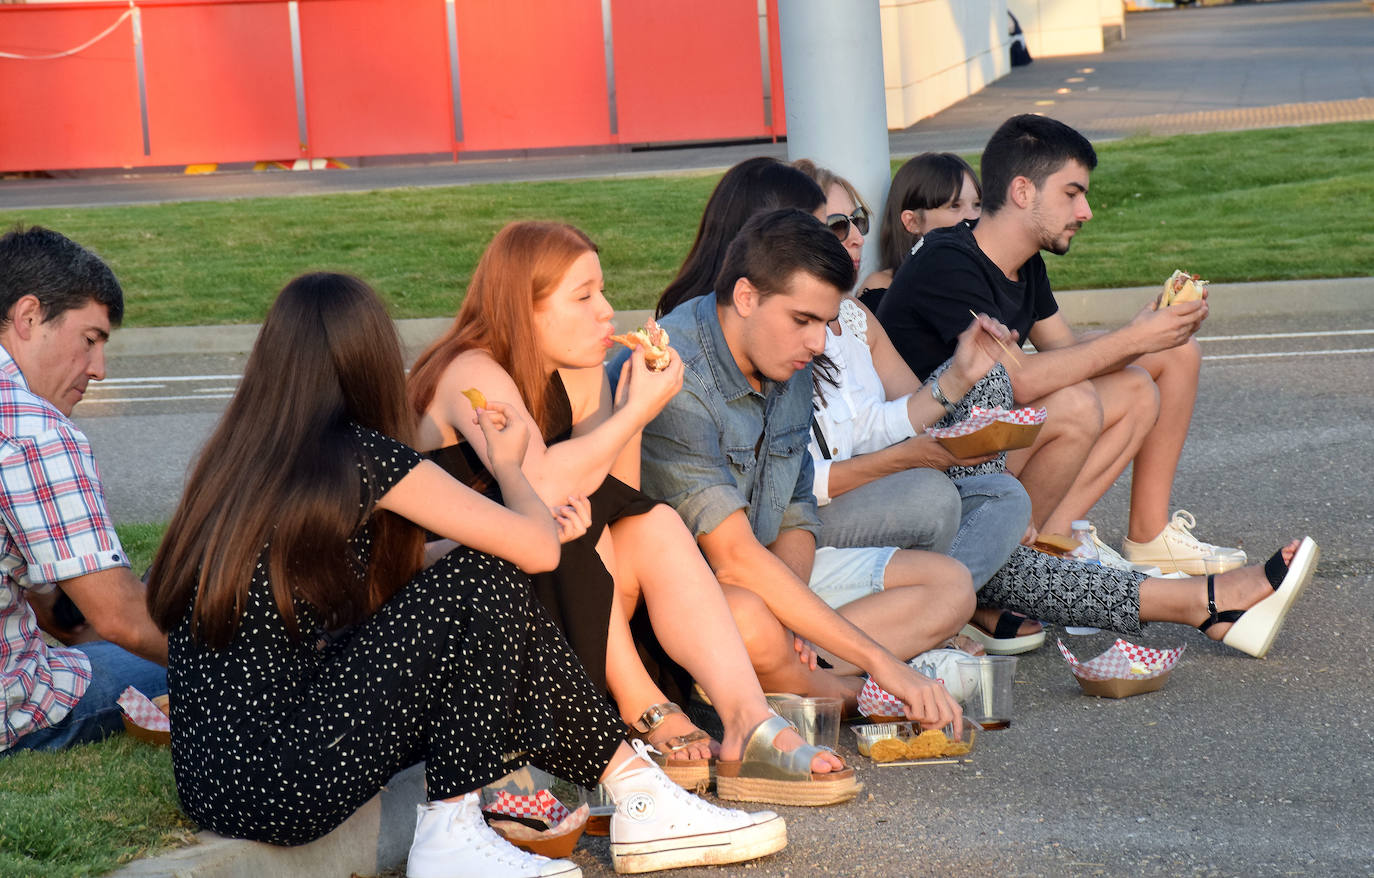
(832, 73)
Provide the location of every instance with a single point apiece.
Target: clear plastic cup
(987, 681)
(818, 719)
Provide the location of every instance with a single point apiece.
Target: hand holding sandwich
(645, 390)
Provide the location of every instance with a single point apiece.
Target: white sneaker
(1108, 556)
(943, 665)
(1177, 550)
(453, 841)
(659, 825)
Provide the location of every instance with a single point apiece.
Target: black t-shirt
(931, 295)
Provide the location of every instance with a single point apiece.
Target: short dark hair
(753, 185)
(1033, 147)
(58, 271)
(775, 245)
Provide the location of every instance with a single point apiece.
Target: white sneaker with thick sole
(659, 825)
(1177, 550)
(453, 841)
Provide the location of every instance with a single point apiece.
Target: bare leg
(694, 624)
(1130, 405)
(1048, 468)
(775, 661)
(1185, 600)
(1175, 372)
(926, 599)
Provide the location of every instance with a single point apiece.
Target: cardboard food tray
(160, 739)
(995, 437)
(1118, 687)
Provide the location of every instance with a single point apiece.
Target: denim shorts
(840, 576)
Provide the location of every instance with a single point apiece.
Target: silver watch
(940, 397)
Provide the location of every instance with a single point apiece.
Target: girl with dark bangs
(310, 656)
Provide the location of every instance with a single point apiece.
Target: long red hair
(520, 268)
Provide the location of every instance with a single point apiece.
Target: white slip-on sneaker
(659, 825)
(453, 841)
(1108, 556)
(1175, 549)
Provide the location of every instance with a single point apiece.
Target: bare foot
(676, 725)
(1238, 590)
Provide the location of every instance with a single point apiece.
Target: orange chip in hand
(476, 397)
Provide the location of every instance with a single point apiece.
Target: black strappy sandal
(1253, 630)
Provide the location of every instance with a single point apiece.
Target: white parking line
(108, 399)
(1272, 335)
(1273, 354)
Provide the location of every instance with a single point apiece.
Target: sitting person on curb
(534, 329)
(878, 476)
(311, 656)
(1129, 392)
(867, 376)
(728, 452)
(58, 304)
(933, 190)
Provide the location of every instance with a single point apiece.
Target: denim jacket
(720, 445)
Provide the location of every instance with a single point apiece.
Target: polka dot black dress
(280, 739)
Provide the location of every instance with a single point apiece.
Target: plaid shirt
(55, 527)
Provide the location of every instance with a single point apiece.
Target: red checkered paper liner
(874, 700)
(1123, 661)
(980, 417)
(142, 712)
(542, 804)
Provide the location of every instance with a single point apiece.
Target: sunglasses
(839, 223)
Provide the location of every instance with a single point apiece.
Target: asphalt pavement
(1236, 767)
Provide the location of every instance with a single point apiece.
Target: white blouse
(856, 417)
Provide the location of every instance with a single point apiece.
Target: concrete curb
(375, 838)
(1088, 307)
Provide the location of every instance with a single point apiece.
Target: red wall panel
(220, 85)
(687, 69)
(376, 77)
(76, 112)
(533, 74)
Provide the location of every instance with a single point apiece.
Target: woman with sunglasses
(311, 657)
(869, 378)
(878, 478)
(933, 190)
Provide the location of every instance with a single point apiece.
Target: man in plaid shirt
(58, 302)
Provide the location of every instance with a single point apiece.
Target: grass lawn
(1241, 206)
(90, 809)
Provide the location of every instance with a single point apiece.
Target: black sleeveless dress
(578, 593)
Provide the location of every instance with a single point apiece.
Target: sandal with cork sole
(690, 774)
(1253, 631)
(767, 774)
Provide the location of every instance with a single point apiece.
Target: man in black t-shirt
(1114, 398)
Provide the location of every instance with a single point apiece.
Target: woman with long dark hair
(311, 657)
(633, 595)
(752, 186)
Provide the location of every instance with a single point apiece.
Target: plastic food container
(866, 736)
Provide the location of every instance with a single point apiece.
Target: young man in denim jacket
(729, 452)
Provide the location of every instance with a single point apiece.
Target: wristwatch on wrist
(940, 397)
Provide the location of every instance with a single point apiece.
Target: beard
(1056, 241)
